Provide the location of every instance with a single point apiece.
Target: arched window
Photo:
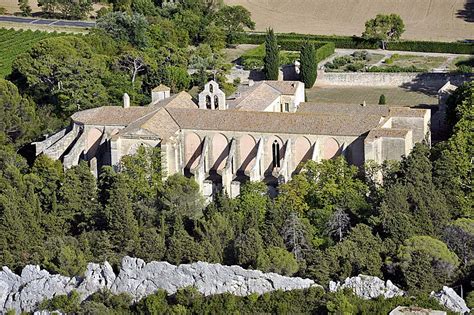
(276, 154)
(211, 88)
(216, 102)
(208, 102)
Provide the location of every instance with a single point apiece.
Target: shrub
(382, 100)
(392, 69)
(355, 67)
(64, 303)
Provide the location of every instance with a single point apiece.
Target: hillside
(441, 20)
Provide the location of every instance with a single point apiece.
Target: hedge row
(439, 47)
(355, 42)
(253, 59)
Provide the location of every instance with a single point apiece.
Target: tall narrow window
(211, 88)
(276, 154)
(216, 102)
(208, 102)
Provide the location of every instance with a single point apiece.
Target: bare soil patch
(439, 20)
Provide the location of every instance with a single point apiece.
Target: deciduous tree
(384, 28)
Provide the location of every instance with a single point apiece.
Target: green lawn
(357, 95)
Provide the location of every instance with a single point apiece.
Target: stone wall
(433, 80)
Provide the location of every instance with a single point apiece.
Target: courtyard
(394, 96)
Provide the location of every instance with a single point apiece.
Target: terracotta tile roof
(270, 122)
(387, 133)
(346, 109)
(408, 112)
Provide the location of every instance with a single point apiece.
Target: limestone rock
(451, 300)
(138, 279)
(367, 287)
(96, 277)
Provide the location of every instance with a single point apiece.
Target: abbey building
(264, 132)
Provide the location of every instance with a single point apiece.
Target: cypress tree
(309, 65)
(272, 56)
(122, 224)
(382, 100)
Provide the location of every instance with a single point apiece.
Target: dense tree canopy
(331, 221)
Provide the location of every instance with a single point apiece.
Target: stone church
(264, 132)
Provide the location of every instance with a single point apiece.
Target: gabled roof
(158, 124)
(272, 122)
(111, 115)
(346, 109)
(119, 116)
(261, 95)
(257, 99)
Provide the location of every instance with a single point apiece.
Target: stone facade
(263, 133)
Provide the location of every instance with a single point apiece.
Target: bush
(64, 303)
(355, 67)
(392, 69)
(382, 100)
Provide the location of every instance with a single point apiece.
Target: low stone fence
(432, 79)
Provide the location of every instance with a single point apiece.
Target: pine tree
(309, 65)
(272, 56)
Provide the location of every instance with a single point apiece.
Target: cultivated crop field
(438, 20)
(15, 42)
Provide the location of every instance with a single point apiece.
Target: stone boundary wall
(390, 79)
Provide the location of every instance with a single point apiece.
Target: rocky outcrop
(139, 279)
(367, 287)
(451, 300)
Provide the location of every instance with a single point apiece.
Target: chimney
(126, 100)
(251, 82)
(364, 104)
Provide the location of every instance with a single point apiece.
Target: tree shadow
(467, 14)
(430, 83)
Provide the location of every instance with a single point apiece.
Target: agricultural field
(357, 95)
(437, 20)
(15, 42)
